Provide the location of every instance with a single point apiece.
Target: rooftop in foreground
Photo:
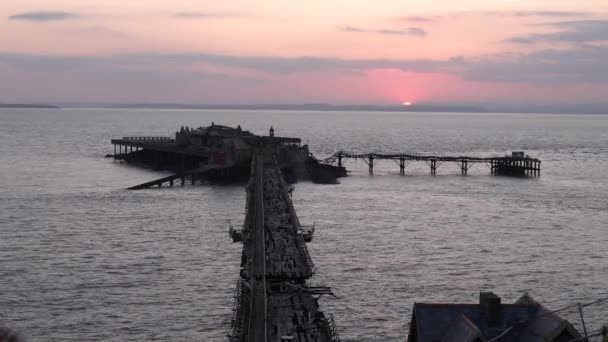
(524, 321)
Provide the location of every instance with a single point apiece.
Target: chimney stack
(490, 304)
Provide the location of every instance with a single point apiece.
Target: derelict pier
(272, 299)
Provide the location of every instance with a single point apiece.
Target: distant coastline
(437, 108)
(444, 108)
(306, 107)
(27, 105)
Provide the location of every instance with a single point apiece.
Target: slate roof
(526, 321)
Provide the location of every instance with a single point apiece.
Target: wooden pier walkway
(517, 164)
(272, 300)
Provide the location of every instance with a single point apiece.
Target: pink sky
(276, 51)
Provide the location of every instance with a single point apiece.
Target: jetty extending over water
(517, 164)
(272, 299)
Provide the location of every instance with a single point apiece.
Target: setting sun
(407, 103)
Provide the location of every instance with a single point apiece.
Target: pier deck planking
(273, 301)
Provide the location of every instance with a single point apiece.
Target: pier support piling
(464, 167)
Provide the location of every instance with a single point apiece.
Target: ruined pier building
(213, 152)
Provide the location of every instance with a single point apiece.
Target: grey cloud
(500, 14)
(553, 14)
(127, 68)
(577, 32)
(43, 16)
(315, 64)
(580, 65)
(272, 65)
(412, 31)
(525, 14)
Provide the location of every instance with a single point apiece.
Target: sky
(316, 51)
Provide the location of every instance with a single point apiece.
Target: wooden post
(114, 151)
(402, 165)
(371, 164)
(340, 159)
(433, 166)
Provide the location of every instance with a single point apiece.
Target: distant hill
(26, 105)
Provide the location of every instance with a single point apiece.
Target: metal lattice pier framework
(508, 165)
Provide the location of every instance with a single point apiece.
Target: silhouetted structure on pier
(215, 152)
(517, 164)
(213, 146)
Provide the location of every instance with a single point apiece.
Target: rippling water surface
(83, 260)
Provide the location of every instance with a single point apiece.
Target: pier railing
(302, 244)
(235, 326)
(149, 140)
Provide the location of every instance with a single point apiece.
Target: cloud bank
(43, 16)
(573, 32)
(411, 31)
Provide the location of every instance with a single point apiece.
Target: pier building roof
(221, 130)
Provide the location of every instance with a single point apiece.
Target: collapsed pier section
(273, 301)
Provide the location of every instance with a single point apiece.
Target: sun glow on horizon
(407, 103)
